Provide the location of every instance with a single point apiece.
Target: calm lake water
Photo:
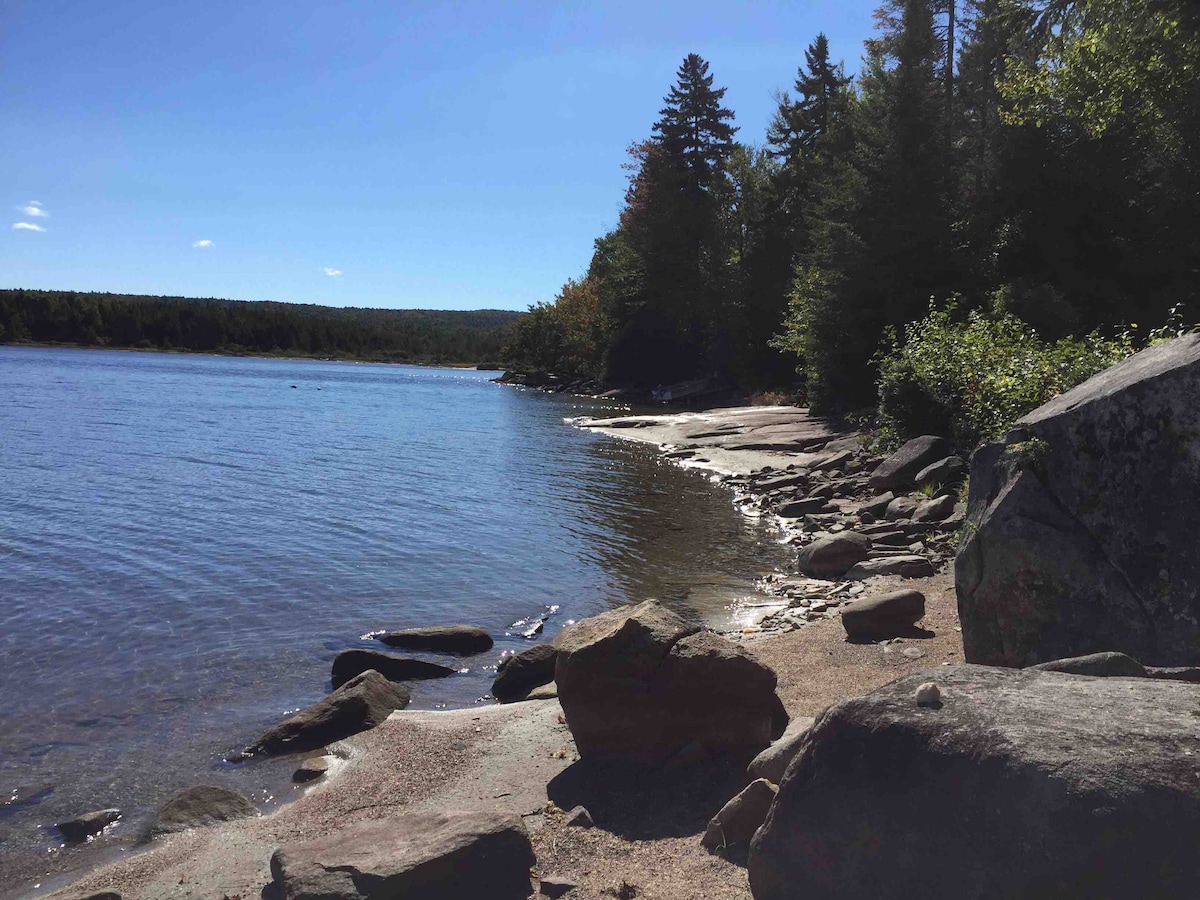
(187, 541)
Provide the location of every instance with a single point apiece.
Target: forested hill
(236, 326)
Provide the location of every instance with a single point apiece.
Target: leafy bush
(973, 377)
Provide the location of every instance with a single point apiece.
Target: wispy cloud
(27, 226)
(34, 210)
(332, 273)
(202, 243)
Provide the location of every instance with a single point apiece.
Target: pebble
(929, 694)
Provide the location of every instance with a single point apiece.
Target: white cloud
(202, 243)
(34, 210)
(27, 226)
(332, 273)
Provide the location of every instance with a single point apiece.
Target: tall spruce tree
(694, 129)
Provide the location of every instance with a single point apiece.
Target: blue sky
(452, 155)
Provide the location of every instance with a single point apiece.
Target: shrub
(973, 377)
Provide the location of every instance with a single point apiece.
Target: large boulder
(902, 467)
(638, 684)
(422, 856)
(349, 663)
(884, 616)
(1081, 525)
(361, 703)
(463, 640)
(831, 555)
(1017, 784)
(520, 673)
(201, 805)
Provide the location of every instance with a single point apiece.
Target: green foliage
(233, 326)
(973, 378)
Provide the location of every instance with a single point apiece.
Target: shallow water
(187, 541)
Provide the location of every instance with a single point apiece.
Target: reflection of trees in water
(671, 533)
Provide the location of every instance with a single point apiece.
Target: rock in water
(830, 556)
(361, 703)
(1081, 525)
(1023, 784)
(901, 468)
(83, 827)
(349, 663)
(637, 684)
(521, 673)
(463, 640)
(204, 804)
(773, 762)
(312, 769)
(740, 817)
(886, 616)
(425, 856)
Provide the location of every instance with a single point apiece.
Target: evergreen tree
(694, 129)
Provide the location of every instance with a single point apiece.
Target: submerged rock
(1022, 784)
(417, 855)
(361, 703)
(204, 804)
(464, 640)
(349, 663)
(637, 683)
(1081, 524)
(90, 823)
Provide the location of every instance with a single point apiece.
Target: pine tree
(694, 129)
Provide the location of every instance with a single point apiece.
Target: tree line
(235, 326)
(1025, 160)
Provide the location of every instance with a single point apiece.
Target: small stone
(579, 817)
(311, 769)
(555, 886)
(929, 694)
(913, 652)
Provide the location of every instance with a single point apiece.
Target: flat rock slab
(910, 565)
(1017, 783)
(196, 807)
(430, 856)
(349, 663)
(464, 640)
(361, 703)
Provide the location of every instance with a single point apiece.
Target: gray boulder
(831, 555)
(901, 508)
(948, 472)
(349, 663)
(196, 807)
(1081, 525)
(1020, 784)
(638, 684)
(797, 508)
(740, 817)
(361, 703)
(521, 673)
(901, 468)
(422, 856)
(87, 825)
(936, 510)
(885, 616)
(1097, 665)
(876, 506)
(463, 640)
(773, 762)
(909, 565)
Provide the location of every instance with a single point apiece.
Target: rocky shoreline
(839, 748)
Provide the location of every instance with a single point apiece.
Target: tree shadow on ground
(638, 803)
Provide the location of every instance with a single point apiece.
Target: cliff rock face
(638, 684)
(1082, 524)
(1015, 784)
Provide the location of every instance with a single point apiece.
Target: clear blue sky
(450, 155)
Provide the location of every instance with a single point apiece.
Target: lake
(186, 542)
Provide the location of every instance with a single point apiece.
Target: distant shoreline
(485, 366)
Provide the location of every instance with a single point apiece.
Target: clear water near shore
(187, 541)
